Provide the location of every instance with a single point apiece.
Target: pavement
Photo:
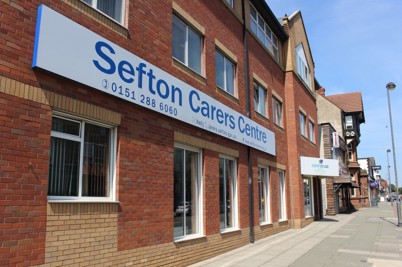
(367, 237)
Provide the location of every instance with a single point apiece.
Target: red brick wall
(298, 145)
(24, 156)
(145, 139)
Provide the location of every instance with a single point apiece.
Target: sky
(357, 47)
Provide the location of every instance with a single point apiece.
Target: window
(82, 157)
(227, 193)
(282, 196)
(263, 195)
(311, 131)
(186, 45)
(187, 192)
(308, 201)
(350, 155)
(111, 8)
(225, 73)
(230, 2)
(303, 121)
(260, 96)
(264, 33)
(277, 111)
(349, 122)
(302, 66)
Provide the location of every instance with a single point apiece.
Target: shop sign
(68, 49)
(319, 167)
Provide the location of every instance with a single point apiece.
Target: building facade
(151, 133)
(340, 117)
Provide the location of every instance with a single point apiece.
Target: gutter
(248, 107)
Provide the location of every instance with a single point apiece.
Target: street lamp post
(391, 86)
(389, 176)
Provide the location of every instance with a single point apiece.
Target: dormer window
(348, 122)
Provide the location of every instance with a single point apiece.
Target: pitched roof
(349, 102)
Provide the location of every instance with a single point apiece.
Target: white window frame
(226, 61)
(311, 127)
(277, 116)
(303, 124)
(260, 106)
(349, 122)
(94, 4)
(199, 195)
(187, 49)
(264, 33)
(264, 192)
(234, 207)
(282, 196)
(302, 67)
(112, 159)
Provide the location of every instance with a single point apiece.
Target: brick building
(151, 133)
(340, 117)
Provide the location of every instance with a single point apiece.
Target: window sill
(266, 225)
(280, 128)
(231, 97)
(189, 238)
(99, 17)
(283, 222)
(230, 231)
(81, 201)
(189, 71)
(261, 116)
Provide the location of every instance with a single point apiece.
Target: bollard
(398, 212)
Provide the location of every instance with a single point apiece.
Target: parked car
(186, 208)
(392, 197)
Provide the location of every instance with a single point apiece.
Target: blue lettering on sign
(127, 71)
(145, 76)
(251, 131)
(210, 111)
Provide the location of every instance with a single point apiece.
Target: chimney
(321, 91)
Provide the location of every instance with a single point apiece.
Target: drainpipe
(248, 104)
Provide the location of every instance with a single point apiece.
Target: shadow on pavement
(386, 220)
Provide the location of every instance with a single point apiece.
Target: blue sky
(357, 47)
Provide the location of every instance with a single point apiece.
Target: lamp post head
(388, 150)
(390, 86)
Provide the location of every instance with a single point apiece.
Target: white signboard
(335, 139)
(70, 50)
(319, 167)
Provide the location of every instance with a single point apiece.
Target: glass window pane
(260, 35)
(254, 26)
(256, 98)
(222, 194)
(307, 198)
(194, 51)
(66, 126)
(230, 68)
(219, 65)
(229, 193)
(63, 167)
(253, 12)
(263, 94)
(178, 39)
(261, 23)
(95, 169)
(179, 208)
(112, 8)
(191, 196)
